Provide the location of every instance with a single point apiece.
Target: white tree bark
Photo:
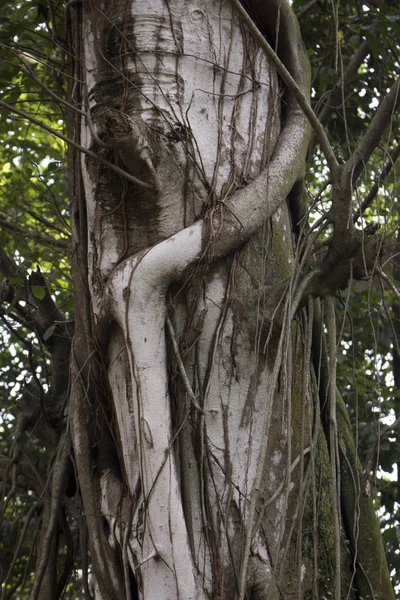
(182, 97)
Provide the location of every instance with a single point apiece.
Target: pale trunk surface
(193, 484)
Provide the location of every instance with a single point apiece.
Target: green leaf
(39, 292)
(16, 280)
(49, 332)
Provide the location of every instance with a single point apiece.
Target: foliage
(34, 220)
(34, 232)
(369, 334)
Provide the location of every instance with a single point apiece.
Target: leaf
(49, 332)
(16, 280)
(393, 18)
(38, 291)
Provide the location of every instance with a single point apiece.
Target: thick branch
(235, 221)
(303, 9)
(40, 314)
(34, 404)
(349, 249)
(57, 334)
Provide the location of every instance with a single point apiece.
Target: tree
(186, 428)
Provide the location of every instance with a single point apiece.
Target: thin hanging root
(390, 283)
(22, 538)
(59, 468)
(333, 434)
(181, 366)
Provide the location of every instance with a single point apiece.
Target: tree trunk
(203, 467)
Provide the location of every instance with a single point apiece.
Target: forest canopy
(354, 53)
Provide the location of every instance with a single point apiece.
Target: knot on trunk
(354, 258)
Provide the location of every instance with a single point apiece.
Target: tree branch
(373, 135)
(58, 472)
(394, 155)
(303, 9)
(39, 315)
(7, 266)
(42, 239)
(369, 459)
(82, 149)
(332, 98)
(47, 307)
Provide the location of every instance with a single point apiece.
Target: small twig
(335, 93)
(97, 157)
(373, 135)
(43, 239)
(390, 283)
(26, 68)
(303, 9)
(394, 155)
(332, 99)
(372, 451)
(27, 521)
